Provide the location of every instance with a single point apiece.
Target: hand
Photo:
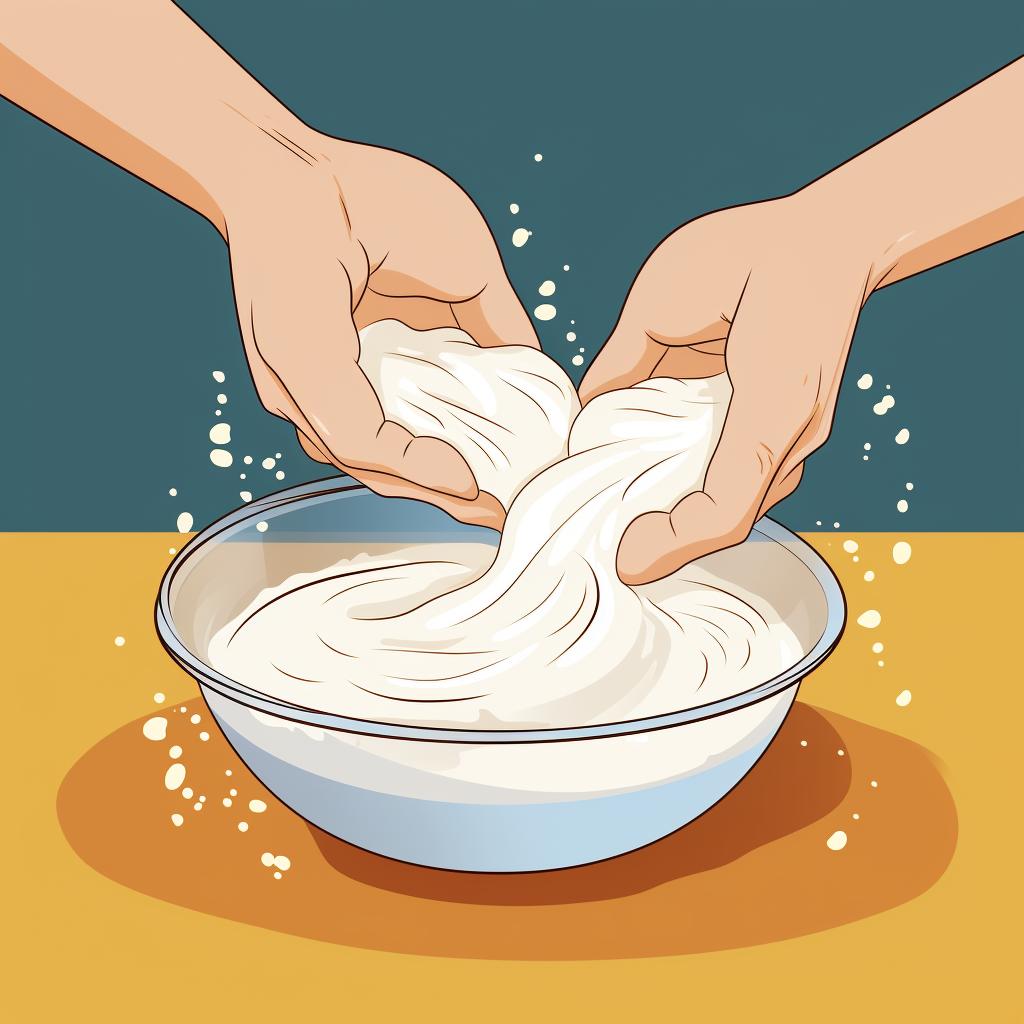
(341, 235)
(771, 293)
(324, 234)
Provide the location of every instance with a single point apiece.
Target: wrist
(850, 213)
(247, 156)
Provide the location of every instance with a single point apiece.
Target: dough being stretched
(546, 634)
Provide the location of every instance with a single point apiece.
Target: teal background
(116, 301)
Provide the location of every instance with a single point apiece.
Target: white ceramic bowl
(441, 796)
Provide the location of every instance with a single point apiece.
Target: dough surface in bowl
(540, 633)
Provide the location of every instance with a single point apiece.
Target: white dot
(577, 360)
(866, 458)
(538, 157)
(817, 522)
(282, 862)
(220, 433)
(172, 551)
(909, 486)
(173, 492)
(204, 736)
(218, 376)
(257, 806)
(520, 237)
(856, 558)
(217, 412)
(877, 648)
(226, 801)
(227, 772)
(279, 474)
(221, 458)
(277, 455)
(903, 436)
(277, 875)
(232, 792)
(267, 859)
(119, 641)
(175, 775)
(174, 752)
(867, 446)
(245, 495)
(837, 840)
(840, 752)
(197, 807)
(869, 576)
(513, 207)
(545, 311)
(874, 784)
(850, 546)
(902, 505)
(835, 526)
(547, 288)
(177, 820)
(195, 719)
(268, 463)
(247, 460)
(243, 826)
(904, 698)
(184, 522)
(870, 619)
(883, 406)
(881, 664)
(241, 476)
(262, 527)
(222, 399)
(187, 793)
(803, 743)
(571, 336)
(565, 266)
(901, 552)
(158, 698)
(155, 729)
(855, 816)
(865, 381)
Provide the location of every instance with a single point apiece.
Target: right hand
(770, 293)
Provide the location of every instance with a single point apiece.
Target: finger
(484, 510)
(629, 355)
(496, 316)
(357, 436)
(719, 516)
(335, 405)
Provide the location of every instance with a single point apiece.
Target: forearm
(946, 185)
(138, 82)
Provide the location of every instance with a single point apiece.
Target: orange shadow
(754, 869)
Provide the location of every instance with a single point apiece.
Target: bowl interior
(308, 528)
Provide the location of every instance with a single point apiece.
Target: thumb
(495, 316)
(628, 356)
(739, 478)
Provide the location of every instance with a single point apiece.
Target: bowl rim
(209, 677)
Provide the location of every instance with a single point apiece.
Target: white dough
(546, 634)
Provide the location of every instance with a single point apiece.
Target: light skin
(325, 235)
(771, 293)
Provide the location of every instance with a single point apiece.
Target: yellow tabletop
(112, 912)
